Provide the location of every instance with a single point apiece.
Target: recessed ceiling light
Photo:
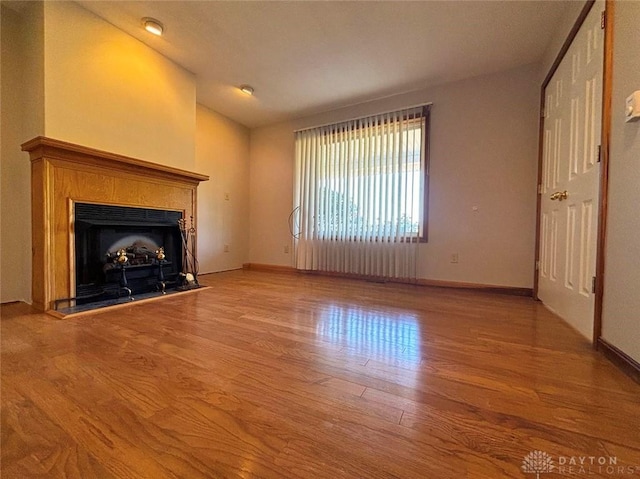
(152, 26)
(248, 89)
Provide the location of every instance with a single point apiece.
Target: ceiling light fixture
(153, 26)
(248, 89)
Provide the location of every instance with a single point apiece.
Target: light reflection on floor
(383, 336)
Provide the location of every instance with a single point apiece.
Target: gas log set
(136, 255)
(122, 252)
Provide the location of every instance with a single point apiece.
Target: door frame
(604, 155)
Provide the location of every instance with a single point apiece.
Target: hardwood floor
(278, 376)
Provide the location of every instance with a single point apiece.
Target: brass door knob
(559, 195)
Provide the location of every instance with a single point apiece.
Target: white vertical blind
(360, 190)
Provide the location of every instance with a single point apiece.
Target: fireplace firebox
(105, 235)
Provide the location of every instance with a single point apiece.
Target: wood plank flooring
(268, 375)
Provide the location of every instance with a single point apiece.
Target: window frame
(423, 113)
(426, 146)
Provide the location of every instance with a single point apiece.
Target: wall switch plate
(632, 107)
(454, 257)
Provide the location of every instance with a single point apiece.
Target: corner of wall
(271, 186)
(222, 152)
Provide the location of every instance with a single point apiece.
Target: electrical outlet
(226, 248)
(454, 257)
(286, 248)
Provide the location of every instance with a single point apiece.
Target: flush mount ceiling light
(248, 89)
(152, 26)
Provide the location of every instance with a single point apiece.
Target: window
(362, 182)
(369, 177)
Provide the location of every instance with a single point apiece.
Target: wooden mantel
(63, 174)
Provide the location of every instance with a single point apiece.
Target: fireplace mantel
(63, 174)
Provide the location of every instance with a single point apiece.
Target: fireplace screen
(121, 248)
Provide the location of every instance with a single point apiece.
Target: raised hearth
(65, 176)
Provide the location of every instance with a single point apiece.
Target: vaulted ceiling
(305, 57)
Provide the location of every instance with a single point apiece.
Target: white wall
(483, 153)
(222, 152)
(621, 307)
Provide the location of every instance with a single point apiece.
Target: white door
(570, 178)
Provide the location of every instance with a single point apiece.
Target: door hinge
(542, 112)
(538, 265)
(599, 153)
(603, 19)
(593, 284)
(540, 189)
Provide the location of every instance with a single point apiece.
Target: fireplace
(101, 231)
(138, 204)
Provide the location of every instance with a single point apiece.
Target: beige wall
(483, 153)
(82, 80)
(222, 152)
(572, 11)
(13, 257)
(621, 308)
(107, 90)
(22, 106)
(271, 186)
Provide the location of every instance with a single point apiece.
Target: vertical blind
(360, 188)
